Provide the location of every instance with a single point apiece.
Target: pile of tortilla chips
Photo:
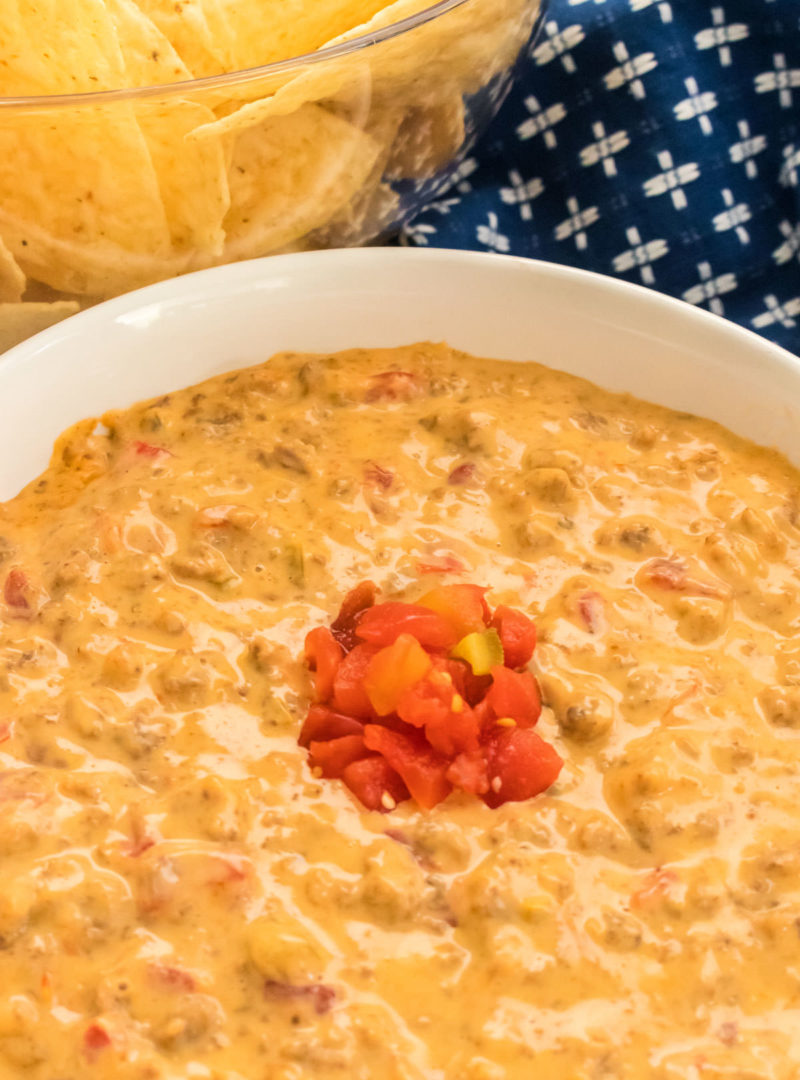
(102, 194)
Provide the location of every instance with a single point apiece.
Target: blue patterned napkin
(657, 140)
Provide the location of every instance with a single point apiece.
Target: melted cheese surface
(181, 898)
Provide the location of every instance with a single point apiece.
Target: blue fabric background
(657, 140)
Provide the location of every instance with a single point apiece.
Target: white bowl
(178, 332)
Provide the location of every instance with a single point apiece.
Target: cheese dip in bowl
(188, 894)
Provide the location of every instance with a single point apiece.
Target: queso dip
(183, 898)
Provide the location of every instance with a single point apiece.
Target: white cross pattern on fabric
(522, 193)
(640, 255)
(781, 78)
(558, 44)
(672, 180)
(778, 313)
(710, 288)
(460, 177)
(418, 233)
(733, 217)
(444, 206)
(630, 70)
(791, 244)
(604, 149)
(577, 224)
(541, 121)
(720, 36)
(745, 150)
(664, 8)
(790, 170)
(697, 105)
(490, 237)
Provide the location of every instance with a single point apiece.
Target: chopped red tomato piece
(322, 723)
(383, 624)
(461, 606)
(317, 994)
(517, 634)
(470, 772)
(354, 604)
(323, 655)
(349, 695)
(421, 768)
(145, 449)
(463, 474)
(95, 1039)
(590, 609)
(377, 476)
(514, 694)
(472, 687)
(395, 386)
(334, 756)
(443, 564)
(17, 589)
(375, 783)
(394, 670)
(171, 977)
(520, 765)
(450, 724)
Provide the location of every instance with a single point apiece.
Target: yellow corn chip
(12, 279)
(290, 175)
(256, 32)
(148, 56)
(184, 24)
(462, 49)
(77, 179)
(21, 321)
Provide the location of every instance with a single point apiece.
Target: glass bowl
(103, 192)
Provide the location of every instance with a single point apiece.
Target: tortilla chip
(464, 49)
(257, 32)
(192, 174)
(148, 56)
(63, 46)
(21, 321)
(290, 175)
(185, 26)
(12, 279)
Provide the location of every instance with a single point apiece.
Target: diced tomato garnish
(450, 724)
(421, 768)
(323, 723)
(472, 687)
(95, 1039)
(517, 634)
(514, 694)
(372, 780)
(377, 476)
(470, 772)
(394, 670)
(145, 449)
(323, 655)
(461, 606)
(384, 623)
(395, 386)
(16, 591)
(349, 695)
(520, 765)
(335, 755)
(354, 604)
(672, 575)
(6, 730)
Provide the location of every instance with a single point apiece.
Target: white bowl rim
(271, 266)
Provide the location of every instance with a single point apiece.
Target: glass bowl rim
(245, 75)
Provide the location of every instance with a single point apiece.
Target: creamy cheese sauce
(182, 898)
